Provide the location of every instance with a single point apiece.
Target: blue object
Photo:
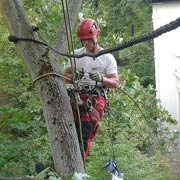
(112, 168)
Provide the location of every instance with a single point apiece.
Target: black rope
(36, 29)
(154, 34)
(132, 99)
(15, 39)
(111, 138)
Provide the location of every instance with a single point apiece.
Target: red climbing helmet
(88, 29)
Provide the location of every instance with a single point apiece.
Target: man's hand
(96, 76)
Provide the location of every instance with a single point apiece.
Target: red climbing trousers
(90, 113)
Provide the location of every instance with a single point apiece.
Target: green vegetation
(133, 128)
(135, 121)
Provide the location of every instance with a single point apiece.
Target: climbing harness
(89, 90)
(91, 104)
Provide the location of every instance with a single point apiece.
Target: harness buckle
(89, 105)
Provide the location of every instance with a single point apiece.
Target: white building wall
(167, 58)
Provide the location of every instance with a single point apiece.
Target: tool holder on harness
(90, 102)
(89, 105)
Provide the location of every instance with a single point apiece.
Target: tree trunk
(51, 89)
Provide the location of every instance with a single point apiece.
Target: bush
(132, 134)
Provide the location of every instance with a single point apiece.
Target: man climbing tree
(94, 76)
(43, 68)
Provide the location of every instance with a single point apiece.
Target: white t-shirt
(104, 64)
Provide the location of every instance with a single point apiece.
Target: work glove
(96, 76)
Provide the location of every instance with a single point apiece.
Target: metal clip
(89, 105)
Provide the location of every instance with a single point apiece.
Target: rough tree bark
(51, 89)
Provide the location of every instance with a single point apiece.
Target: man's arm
(111, 80)
(68, 75)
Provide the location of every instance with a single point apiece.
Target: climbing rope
(154, 34)
(111, 138)
(69, 39)
(111, 165)
(49, 74)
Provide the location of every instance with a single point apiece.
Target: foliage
(23, 132)
(130, 133)
(135, 124)
(46, 15)
(50, 174)
(139, 115)
(47, 173)
(23, 142)
(133, 164)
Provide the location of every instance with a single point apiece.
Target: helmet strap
(95, 44)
